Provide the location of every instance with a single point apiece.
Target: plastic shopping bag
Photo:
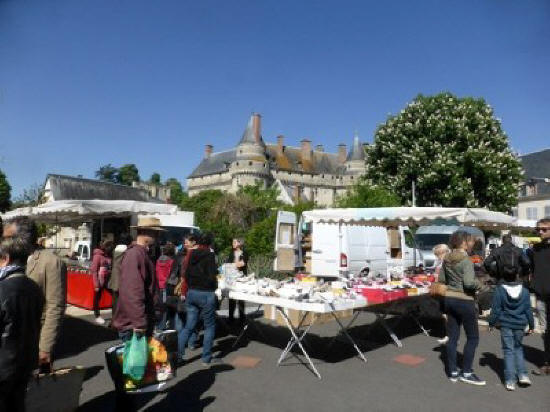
(135, 357)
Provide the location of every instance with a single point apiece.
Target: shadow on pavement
(533, 355)
(92, 371)
(187, 394)
(494, 362)
(78, 334)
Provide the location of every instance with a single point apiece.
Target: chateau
(301, 173)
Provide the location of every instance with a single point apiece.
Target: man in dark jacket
(540, 282)
(21, 304)
(201, 301)
(124, 241)
(135, 310)
(496, 263)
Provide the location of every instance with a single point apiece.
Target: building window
(532, 213)
(546, 211)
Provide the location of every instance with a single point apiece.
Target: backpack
(508, 261)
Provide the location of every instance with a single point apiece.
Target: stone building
(534, 191)
(300, 173)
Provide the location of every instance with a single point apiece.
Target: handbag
(439, 289)
(58, 391)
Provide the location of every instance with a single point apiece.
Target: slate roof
(249, 135)
(357, 151)
(537, 164)
(216, 163)
(76, 188)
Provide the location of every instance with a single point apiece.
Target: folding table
(298, 332)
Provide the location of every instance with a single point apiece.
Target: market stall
(98, 212)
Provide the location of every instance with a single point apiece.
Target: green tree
(260, 239)
(127, 174)
(107, 173)
(363, 194)
(32, 196)
(155, 179)
(5, 193)
(177, 193)
(453, 148)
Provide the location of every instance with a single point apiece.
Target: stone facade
(534, 191)
(300, 173)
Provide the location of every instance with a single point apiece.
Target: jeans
(544, 320)
(97, 298)
(232, 305)
(180, 325)
(161, 324)
(199, 304)
(514, 364)
(461, 312)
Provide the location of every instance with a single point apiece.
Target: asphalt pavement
(393, 379)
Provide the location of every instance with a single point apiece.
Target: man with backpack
(507, 260)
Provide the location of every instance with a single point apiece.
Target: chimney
(257, 126)
(280, 145)
(306, 150)
(342, 153)
(319, 148)
(208, 150)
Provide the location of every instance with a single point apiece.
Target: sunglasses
(543, 229)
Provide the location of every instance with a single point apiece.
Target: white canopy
(393, 216)
(77, 210)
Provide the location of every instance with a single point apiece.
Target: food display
(305, 288)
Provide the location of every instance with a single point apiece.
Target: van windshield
(427, 241)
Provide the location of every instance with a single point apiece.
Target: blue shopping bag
(134, 360)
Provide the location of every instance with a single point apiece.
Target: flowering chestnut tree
(455, 151)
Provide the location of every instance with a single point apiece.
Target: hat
(149, 223)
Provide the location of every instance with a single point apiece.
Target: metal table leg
(424, 331)
(249, 321)
(347, 335)
(298, 340)
(292, 341)
(350, 323)
(382, 319)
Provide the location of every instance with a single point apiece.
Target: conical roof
(357, 151)
(253, 132)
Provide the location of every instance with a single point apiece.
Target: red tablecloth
(80, 291)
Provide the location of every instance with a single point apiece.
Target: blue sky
(85, 83)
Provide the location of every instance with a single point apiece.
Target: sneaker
(510, 387)
(213, 362)
(472, 379)
(443, 340)
(99, 320)
(524, 380)
(453, 377)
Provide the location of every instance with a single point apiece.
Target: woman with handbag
(458, 279)
(101, 270)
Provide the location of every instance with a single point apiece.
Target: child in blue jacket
(511, 310)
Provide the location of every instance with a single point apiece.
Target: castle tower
(355, 162)
(250, 165)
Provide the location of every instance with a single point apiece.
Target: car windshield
(427, 241)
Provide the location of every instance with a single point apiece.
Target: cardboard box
(295, 315)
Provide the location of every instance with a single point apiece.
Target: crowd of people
(178, 291)
(516, 273)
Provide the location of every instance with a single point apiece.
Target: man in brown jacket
(50, 273)
(135, 309)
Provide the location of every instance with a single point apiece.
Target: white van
(328, 249)
(426, 237)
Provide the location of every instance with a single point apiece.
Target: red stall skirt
(80, 291)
